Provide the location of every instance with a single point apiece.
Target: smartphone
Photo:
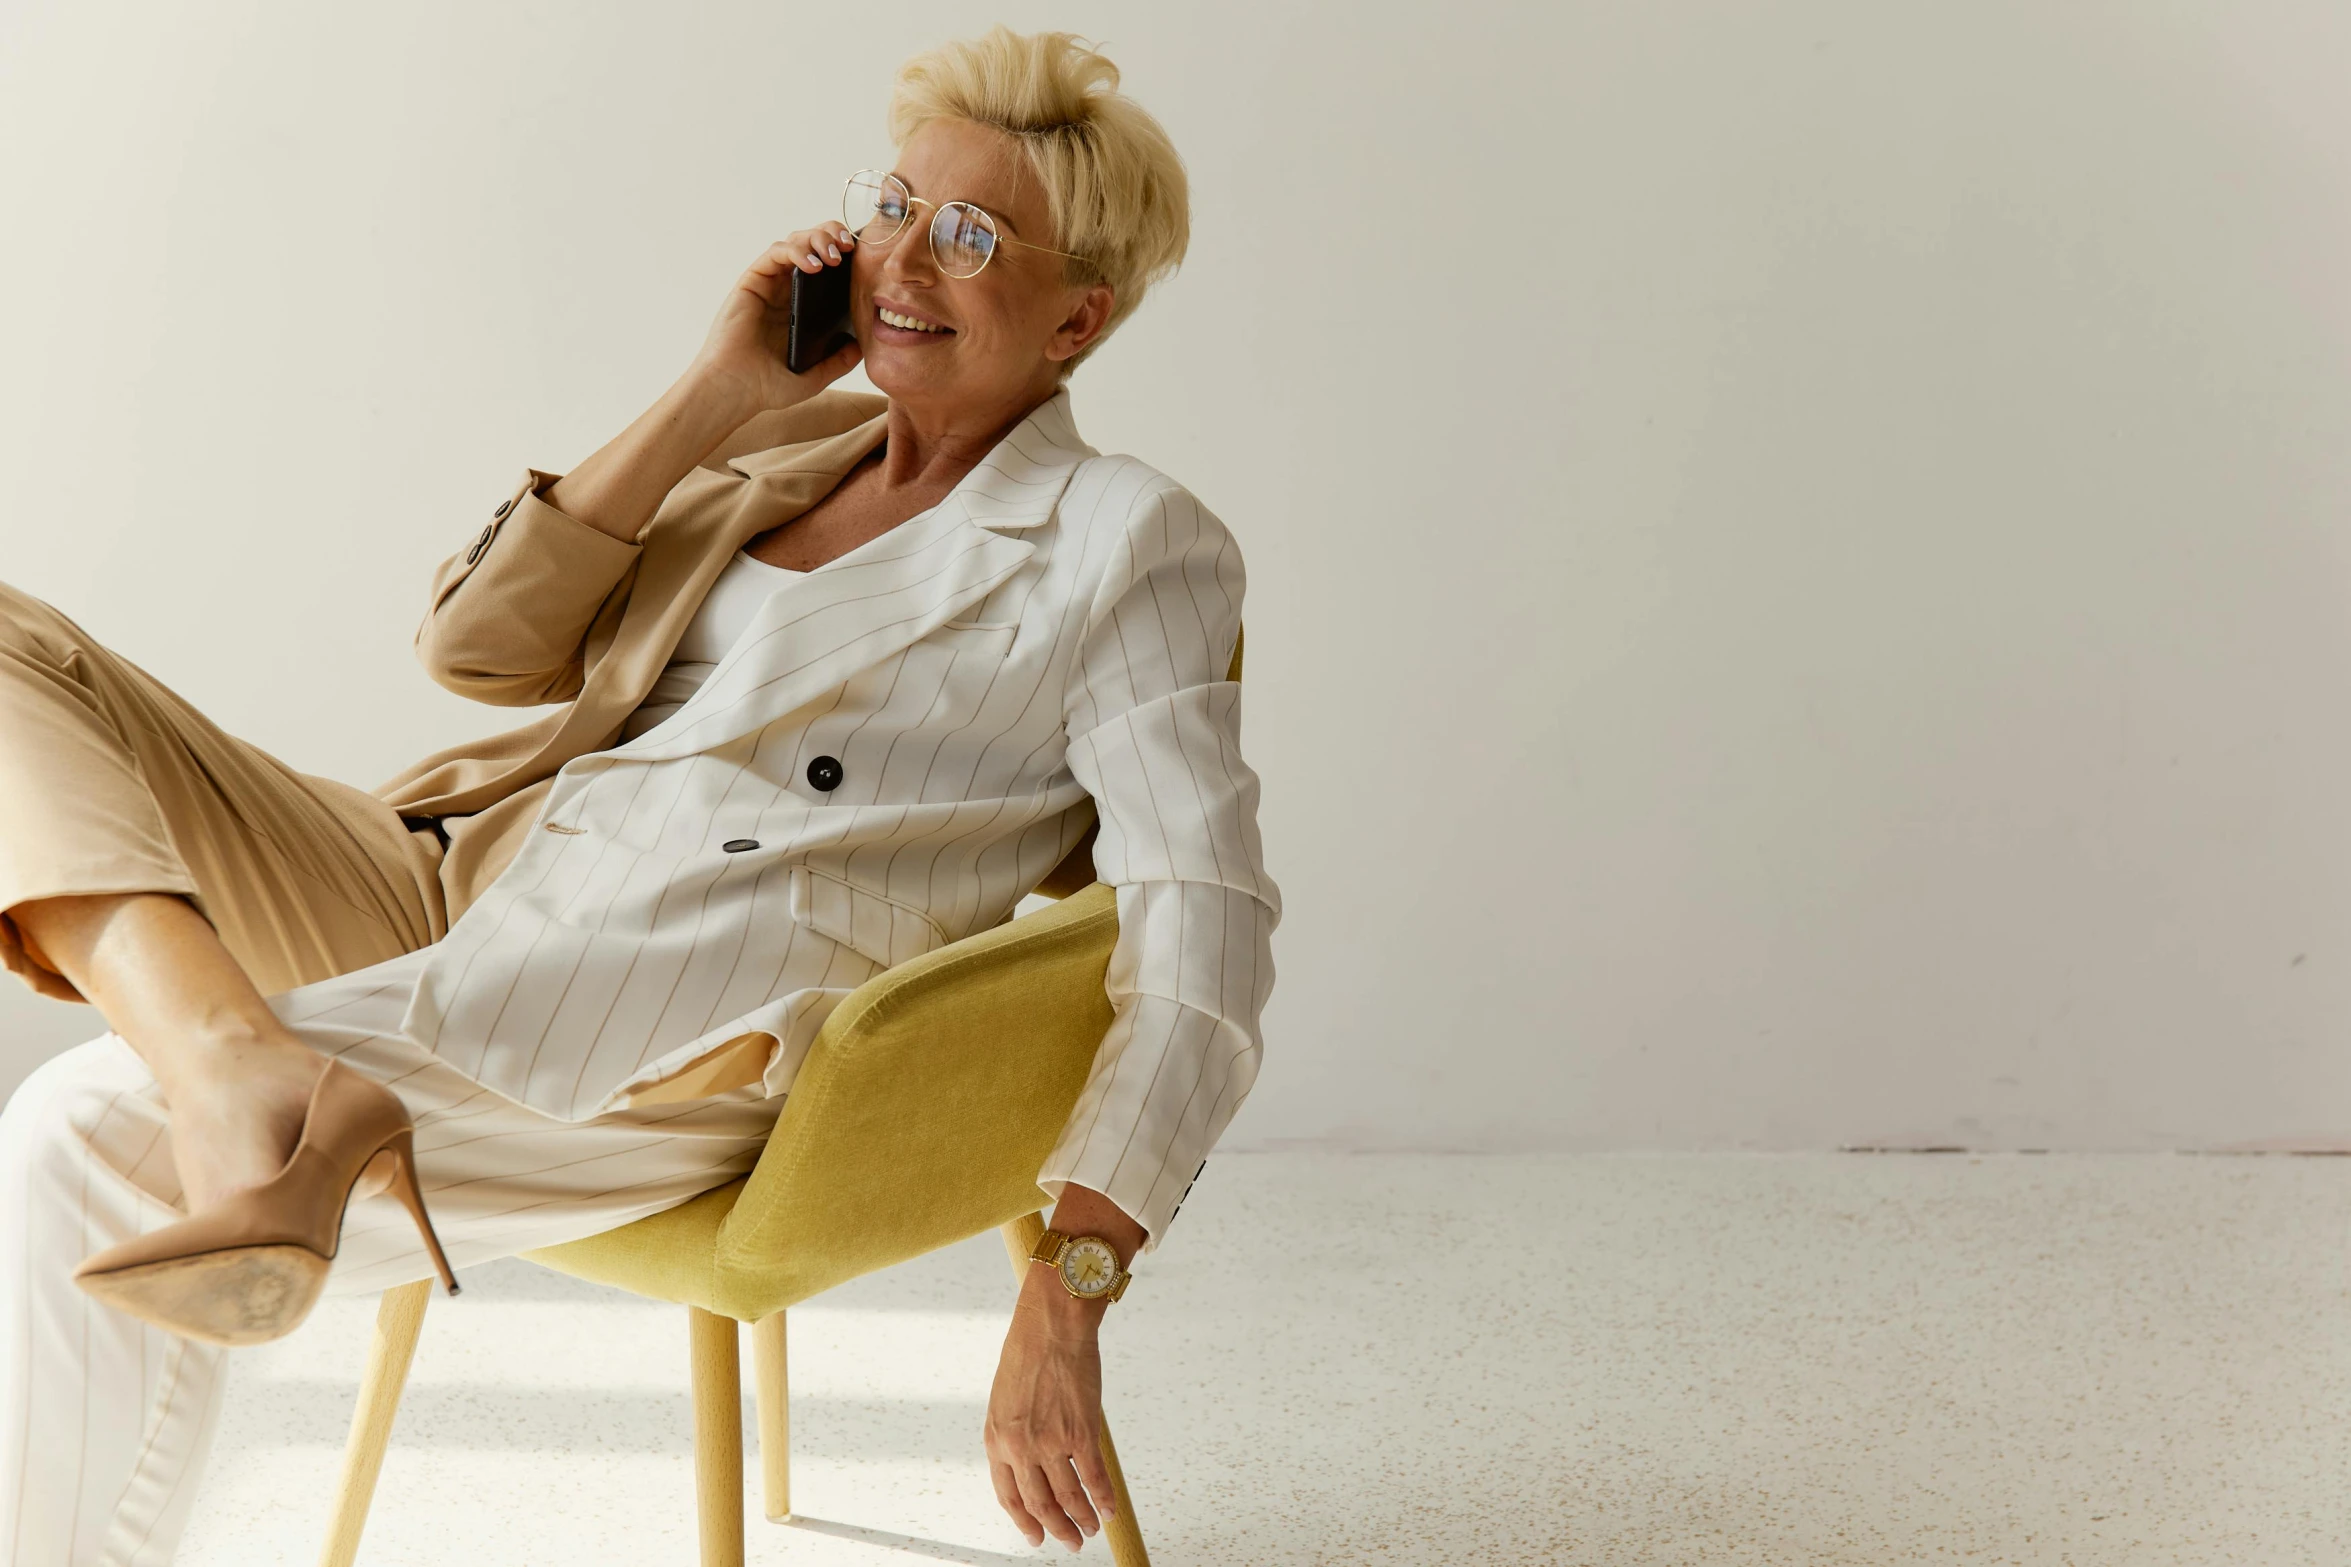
(820, 318)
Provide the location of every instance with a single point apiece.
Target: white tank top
(718, 625)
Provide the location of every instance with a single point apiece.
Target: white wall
(1799, 552)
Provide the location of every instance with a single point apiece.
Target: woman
(835, 682)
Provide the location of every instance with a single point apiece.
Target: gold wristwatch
(1087, 1264)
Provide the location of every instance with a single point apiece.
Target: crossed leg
(173, 875)
(169, 873)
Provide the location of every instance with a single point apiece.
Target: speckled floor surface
(2132, 1361)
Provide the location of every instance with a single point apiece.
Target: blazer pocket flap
(864, 921)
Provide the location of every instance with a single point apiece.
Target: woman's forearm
(617, 490)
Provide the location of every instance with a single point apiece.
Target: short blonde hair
(1113, 182)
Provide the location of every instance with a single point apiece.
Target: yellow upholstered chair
(920, 1117)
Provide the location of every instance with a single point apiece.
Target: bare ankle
(237, 1105)
(208, 1061)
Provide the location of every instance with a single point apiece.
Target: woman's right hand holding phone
(738, 375)
(745, 348)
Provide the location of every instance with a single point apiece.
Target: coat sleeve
(510, 613)
(1154, 731)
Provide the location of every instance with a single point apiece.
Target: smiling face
(984, 347)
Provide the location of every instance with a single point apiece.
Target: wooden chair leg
(1020, 1238)
(399, 1322)
(718, 1435)
(1124, 1534)
(771, 1392)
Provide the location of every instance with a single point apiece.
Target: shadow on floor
(306, 1412)
(912, 1545)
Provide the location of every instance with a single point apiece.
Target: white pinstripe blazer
(1048, 644)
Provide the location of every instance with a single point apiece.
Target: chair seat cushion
(669, 1256)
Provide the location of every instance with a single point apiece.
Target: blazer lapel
(815, 634)
(1021, 481)
(683, 556)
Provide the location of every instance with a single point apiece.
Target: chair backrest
(925, 1107)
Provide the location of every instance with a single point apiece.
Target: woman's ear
(1083, 324)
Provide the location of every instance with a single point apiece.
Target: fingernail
(833, 251)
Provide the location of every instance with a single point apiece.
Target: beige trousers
(110, 783)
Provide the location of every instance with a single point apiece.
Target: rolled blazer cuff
(511, 611)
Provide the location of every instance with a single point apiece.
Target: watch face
(1089, 1268)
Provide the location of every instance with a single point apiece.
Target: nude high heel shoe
(249, 1270)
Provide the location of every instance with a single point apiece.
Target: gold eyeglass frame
(939, 209)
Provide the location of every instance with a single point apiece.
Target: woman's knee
(30, 626)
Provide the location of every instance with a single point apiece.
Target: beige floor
(2103, 1362)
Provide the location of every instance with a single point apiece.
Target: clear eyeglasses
(964, 238)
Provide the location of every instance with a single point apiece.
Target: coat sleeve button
(824, 774)
(504, 507)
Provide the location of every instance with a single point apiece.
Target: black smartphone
(820, 318)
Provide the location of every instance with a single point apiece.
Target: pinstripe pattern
(1048, 642)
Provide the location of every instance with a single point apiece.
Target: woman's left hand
(1044, 1433)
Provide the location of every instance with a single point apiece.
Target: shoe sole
(248, 1295)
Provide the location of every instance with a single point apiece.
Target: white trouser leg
(104, 1422)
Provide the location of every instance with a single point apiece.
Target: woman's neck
(920, 452)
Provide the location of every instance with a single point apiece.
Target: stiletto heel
(250, 1269)
(411, 1195)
